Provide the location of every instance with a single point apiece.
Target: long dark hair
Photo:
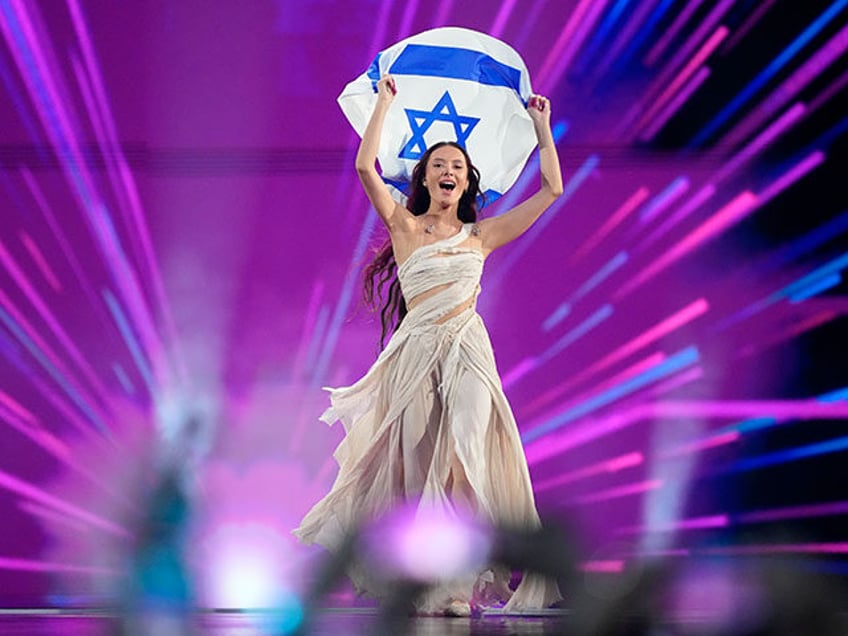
(380, 275)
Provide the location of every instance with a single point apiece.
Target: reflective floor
(331, 622)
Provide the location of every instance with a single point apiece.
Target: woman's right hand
(386, 89)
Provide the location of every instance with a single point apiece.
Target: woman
(429, 422)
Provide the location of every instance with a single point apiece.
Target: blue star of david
(421, 120)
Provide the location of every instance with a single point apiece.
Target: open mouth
(447, 186)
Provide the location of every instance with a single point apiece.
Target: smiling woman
(429, 424)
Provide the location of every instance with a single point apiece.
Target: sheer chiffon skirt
(429, 425)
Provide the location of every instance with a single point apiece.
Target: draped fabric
(429, 424)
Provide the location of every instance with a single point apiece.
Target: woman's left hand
(539, 109)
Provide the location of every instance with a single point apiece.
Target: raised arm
(375, 189)
(502, 229)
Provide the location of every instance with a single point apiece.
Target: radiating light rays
(583, 432)
(572, 43)
(61, 238)
(646, 31)
(729, 215)
(616, 464)
(558, 391)
(834, 396)
(602, 314)
(703, 195)
(618, 492)
(687, 51)
(124, 379)
(801, 247)
(345, 296)
(130, 340)
(445, 9)
(651, 335)
(41, 262)
(62, 452)
(662, 44)
(18, 100)
(663, 116)
(518, 249)
(27, 336)
(530, 174)
(530, 364)
(793, 115)
(789, 291)
(631, 26)
(646, 338)
(608, 566)
(32, 53)
(562, 51)
(699, 445)
(806, 451)
(694, 523)
(409, 10)
(768, 73)
(530, 21)
(789, 88)
(686, 73)
(807, 511)
(564, 309)
(829, 92)
(310, 332)
(601, 33)
(760, 9)
(664, 199)
(791, 176)
(673, 364)
(777, 548)
(816, 287)
(31, 57)
(501, 18)
(614, 220)
(48, 317)
(32, 565)
(29, 491)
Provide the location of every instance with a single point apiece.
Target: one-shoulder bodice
(449, 271)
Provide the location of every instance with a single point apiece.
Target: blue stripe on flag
(454, 63)
(373, 72)
(403, 186)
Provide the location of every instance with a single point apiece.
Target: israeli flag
(453, 84)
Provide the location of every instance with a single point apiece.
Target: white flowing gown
(429, 423)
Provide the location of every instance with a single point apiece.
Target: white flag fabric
(453, 84)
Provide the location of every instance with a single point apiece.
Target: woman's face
(446, 175)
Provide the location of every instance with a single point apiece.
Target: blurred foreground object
(420, 552)
(714, 597)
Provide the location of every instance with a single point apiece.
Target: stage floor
(335, 622)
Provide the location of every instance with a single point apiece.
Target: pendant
(430, 228)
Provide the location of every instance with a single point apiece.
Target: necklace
(430, 227)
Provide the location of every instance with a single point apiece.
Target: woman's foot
(458, 609)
